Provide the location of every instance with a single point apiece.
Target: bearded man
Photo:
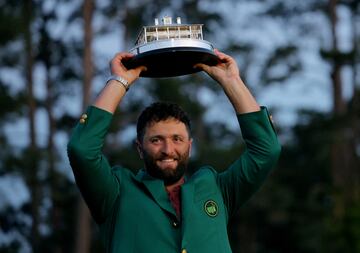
(159, 209)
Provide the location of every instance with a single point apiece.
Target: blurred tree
(83, 235)
(328, 145)
(51, 192)
(33, 150)
(338, 145)
(345, 140)
(10, 110)
(50, 52)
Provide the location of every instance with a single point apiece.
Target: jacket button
(184, 251)
(175, 224)
(83, 118)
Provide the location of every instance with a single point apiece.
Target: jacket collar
(157, 190)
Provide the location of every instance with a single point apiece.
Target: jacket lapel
(157, 190)
(187, 205)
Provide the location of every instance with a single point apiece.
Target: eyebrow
(172, 136)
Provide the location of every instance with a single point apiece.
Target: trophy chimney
(178, 20)
(156, 21)
(167, 20)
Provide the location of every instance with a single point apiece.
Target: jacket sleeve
(245, 176)
(93, 174)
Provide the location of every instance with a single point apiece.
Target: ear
(139, 149)
(190, 146)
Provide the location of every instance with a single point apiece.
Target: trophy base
(174, 61)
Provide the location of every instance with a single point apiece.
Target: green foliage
(342, 233)
(341, 58)
(12, 248)
(9, 104)
(10, 22)
(281, 65)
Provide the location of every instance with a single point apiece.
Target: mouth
(167, 161)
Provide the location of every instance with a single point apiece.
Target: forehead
(166, 127)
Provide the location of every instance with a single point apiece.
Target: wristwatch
(121, 80)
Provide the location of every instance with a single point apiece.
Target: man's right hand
(111, 95)
(118, 68)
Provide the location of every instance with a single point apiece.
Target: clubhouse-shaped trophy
(169, 49)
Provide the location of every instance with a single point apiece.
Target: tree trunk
(83, 240)
(343, 156)
(88, 11)
(33, 181)
(338, 107)
(339, 103)
(355, 104)
(83, 235)
(53, 178)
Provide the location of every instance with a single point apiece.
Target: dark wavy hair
(160, 111)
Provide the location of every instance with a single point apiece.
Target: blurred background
(300, 58)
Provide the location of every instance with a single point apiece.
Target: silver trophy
(169, 49)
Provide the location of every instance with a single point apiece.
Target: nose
(168, 148)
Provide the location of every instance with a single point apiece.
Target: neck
(170, 188)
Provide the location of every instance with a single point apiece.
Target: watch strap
(121, 80)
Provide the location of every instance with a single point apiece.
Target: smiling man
(166, 144)
(158, 209)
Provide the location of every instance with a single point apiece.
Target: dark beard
(169, 176)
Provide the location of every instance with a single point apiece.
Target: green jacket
(134, 212)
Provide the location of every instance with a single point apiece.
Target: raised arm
(93, 174)
(246, 174)
(226, 73)
(114, 91)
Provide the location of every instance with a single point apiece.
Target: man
(159, 210)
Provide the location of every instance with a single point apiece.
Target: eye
(155, 140)
(178, 138)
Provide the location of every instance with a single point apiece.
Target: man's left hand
(225, 72)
